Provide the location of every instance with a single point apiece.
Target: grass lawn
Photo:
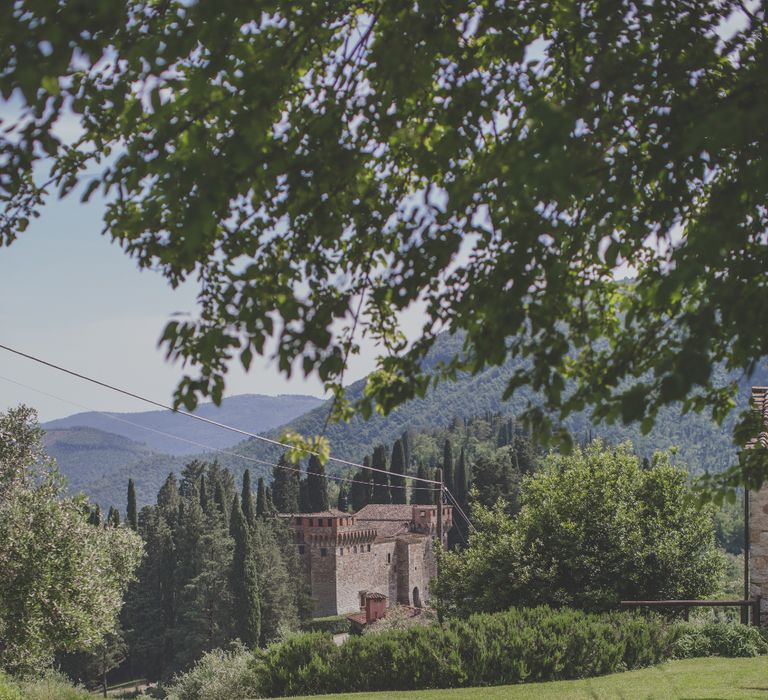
(693, 679)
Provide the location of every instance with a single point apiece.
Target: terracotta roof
(373, 595)
(332, 513)
(760, 405)
(385, 511)
(359, 618)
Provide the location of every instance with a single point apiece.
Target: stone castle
(384, 550)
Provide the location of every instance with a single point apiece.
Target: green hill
(703, 445)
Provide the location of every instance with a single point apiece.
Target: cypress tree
(221, 506)
(95, 516)
(246, 498)
(405, 439)
(448, 464)
(380, 480)
(304, 504)
(285, 487)
(316, 485)
(113, 517)
(203, 495)
(270, 502)
(422, 494)
(244, 581)
(261, 499)
(131, 512)
(397, 469)
(343, 502)
(461, 481)
(168, 497)
(360, 490)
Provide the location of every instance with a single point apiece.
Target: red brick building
(383, 549)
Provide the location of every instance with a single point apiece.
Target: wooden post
(439, 503)
(745, 610)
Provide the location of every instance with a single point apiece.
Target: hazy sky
(70, 296)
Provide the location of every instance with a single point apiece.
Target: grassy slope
(693, 679)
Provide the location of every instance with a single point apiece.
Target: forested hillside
(703, 446)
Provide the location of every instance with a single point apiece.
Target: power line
(255, 436)
(204, 446)
(458, 507)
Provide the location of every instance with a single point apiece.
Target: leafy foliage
(500, 163)
(209, 576)
(217, 675)
(510, 647)
(593, 528)
(61, 579)
(720, 639)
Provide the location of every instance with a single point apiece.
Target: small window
(330, 522)
(389, 558)
(301, 549)
(298, 521)
(354, 549)
(369, 548)
(341, 551)
(323, 552)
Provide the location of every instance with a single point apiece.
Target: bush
(8, 690)
(336, 624)
(720, 639)
(218, 675)
(51, 686)
(485, 649)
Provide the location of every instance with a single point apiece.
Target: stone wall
(322, 578)
(758, 549)
(364, 571)
(758, 513)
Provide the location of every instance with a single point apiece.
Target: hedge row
(720, 639)
(336, 624)
(511, 647)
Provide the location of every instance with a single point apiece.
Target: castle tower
(758, 513)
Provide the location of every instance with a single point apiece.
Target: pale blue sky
(70, 296)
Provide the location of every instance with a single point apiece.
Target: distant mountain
(703, 446)
(251, 412)
(90, 459)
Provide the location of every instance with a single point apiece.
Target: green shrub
(486, 649)
(336, 624)
(218, 675)
(720, 639)
(51, 686)
(8, 690)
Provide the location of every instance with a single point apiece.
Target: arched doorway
(416, 597)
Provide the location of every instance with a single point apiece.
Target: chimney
(375, 607)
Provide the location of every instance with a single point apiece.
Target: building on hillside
(758, 513)
(381, 549)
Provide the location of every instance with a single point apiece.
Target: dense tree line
(218, 566)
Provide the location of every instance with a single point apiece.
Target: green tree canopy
(594, 528)
(61, 579)
(502, 164)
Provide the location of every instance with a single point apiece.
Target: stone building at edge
(382, 549)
